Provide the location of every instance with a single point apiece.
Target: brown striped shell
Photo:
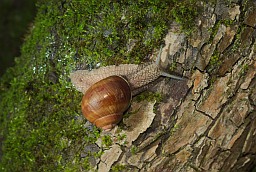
(104, 105)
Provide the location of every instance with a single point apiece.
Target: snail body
(136, 75)
(108, 90)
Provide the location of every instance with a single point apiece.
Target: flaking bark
(207, 123)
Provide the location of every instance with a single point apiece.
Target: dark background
(16, 18)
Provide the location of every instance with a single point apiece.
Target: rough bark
(207, 123)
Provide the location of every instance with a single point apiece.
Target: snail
(108, 90)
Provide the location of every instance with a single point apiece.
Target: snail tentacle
(163, 73)
(172, 76)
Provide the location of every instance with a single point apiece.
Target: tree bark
(207, 123)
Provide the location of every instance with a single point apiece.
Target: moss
(228, 22)
(107, 141)
(173, 66)
(149, 96)
(215, 60)
(214, 63)
(40, 120)
(121, 137)
(184, 13)
(118, 168)
(134, 149)
(214, 31)
(174, 129)
(244, 70)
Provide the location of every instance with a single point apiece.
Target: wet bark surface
(208, 122)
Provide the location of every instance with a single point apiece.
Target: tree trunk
(207, 123)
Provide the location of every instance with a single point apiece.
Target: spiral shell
(104, 103)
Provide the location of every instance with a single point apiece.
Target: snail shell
(104, 105)
(108, 90)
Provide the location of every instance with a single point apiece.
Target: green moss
(214, 63)
(149, 96)
(173, 66)
(134, 149)
(244, 69)
(214, 31)
(40, 120)
(118, 168)
(228, 22)
(107, 141)
(121, 137)
(215, 59)
(184, 13)
(174, 129)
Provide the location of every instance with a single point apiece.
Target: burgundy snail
(108, 90)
